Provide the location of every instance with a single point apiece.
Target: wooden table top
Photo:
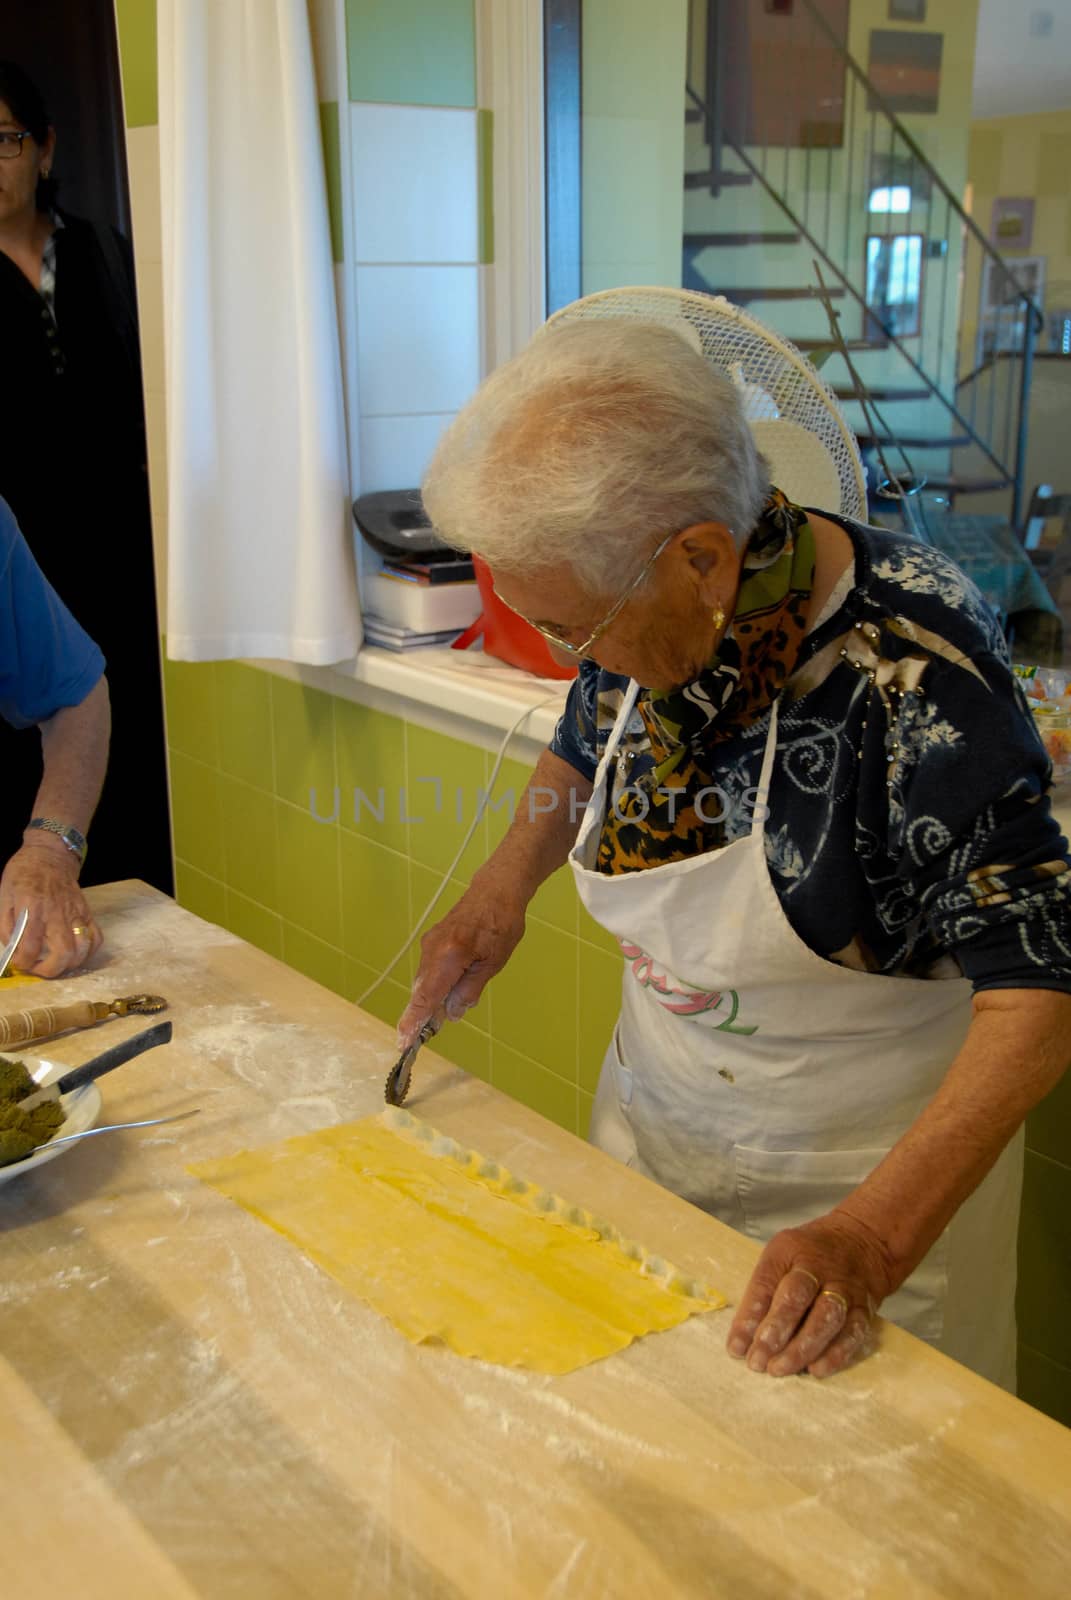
(188, 1407)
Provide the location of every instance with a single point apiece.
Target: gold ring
(79, 927)
(834, 1294)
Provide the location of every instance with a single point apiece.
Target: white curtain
(260, 556)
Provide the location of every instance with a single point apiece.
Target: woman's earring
(719, 618)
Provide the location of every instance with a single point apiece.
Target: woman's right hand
(461, 953)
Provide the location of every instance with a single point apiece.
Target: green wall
(254, 756)
(329, 136)
(136, 24)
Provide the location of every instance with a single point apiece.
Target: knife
(398, 1079)
(44, 1022)
(89, 1071)
(13, 943)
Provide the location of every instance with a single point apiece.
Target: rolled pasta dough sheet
(454, 1249)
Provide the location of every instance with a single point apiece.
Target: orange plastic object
(508, 636)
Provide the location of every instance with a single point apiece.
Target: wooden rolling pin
(43, 1022)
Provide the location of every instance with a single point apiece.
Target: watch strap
(75, 841)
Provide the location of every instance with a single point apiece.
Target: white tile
(396, 450)
(414, 183)
(418, 339)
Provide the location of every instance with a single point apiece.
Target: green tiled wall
(336, 898)
(1044, 1298)
(485, 156)
(329, 135)
(412, 52)
(136, 25)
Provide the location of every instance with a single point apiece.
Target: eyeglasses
(615, 610)
(11, 143)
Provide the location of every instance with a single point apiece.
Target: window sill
(464, 694)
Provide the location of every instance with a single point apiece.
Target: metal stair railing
(1017, 319)
(873, 313)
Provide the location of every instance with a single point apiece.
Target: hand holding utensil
(398, 1079)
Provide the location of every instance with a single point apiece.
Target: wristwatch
(75, 841)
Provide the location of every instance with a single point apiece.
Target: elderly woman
(816, 821)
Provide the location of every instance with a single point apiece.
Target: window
(897, 198)
(894, 281)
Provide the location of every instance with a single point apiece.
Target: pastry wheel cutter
(44, 1022)
(400, 1075)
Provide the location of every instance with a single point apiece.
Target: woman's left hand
(810, 1301)
(61, 934)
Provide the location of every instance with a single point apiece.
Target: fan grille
(775, 378)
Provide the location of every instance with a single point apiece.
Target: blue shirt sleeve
(576, 737)
(979, 849)
(47, 660)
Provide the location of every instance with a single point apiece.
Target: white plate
(82, 1108)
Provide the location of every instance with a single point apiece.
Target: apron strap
(621, 724)
(762, 794)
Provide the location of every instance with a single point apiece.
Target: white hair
(588, 448)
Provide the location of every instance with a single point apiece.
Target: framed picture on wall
(1011, 226)
(907, 10)
(905, 69)
(1001, 317)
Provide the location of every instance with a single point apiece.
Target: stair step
(692, 114)
(880, 394)
(723, 180)
(951, 483)
(913, 441)
(714, 240)
(849, 344)
(743, 297)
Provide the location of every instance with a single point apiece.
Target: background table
(988, 550)
(188, 1407)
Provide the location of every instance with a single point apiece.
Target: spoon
(113, 1127)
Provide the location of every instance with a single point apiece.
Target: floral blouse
(908, 827)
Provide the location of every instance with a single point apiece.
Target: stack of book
(416, 602)
(458, 569)
(392, 637)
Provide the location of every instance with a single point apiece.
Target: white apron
(763, 1083)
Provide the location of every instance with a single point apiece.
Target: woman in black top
(73, 468)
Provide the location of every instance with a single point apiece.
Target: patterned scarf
(755, 657)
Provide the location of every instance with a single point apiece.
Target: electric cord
(462, 847)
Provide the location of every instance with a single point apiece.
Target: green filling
(22, 1131)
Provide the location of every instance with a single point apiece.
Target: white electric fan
(794, 415)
